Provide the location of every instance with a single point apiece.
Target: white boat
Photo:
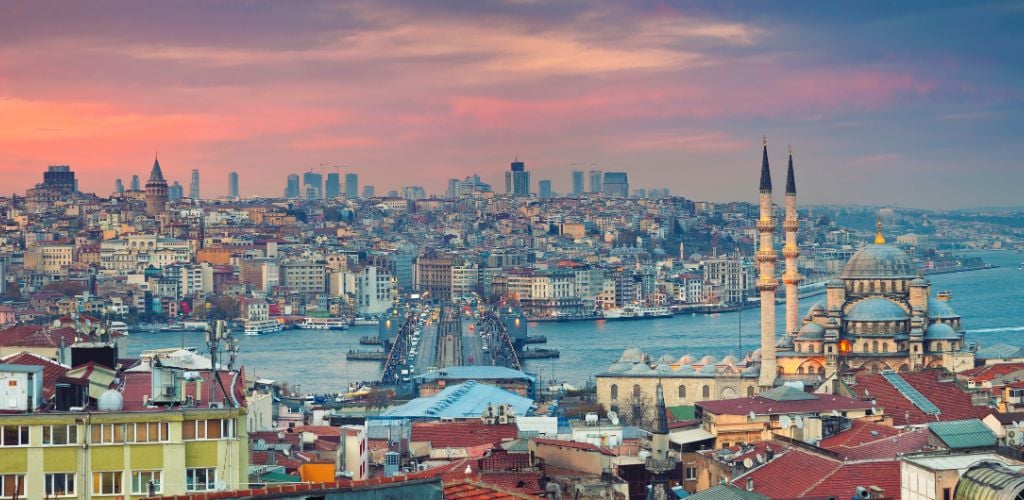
(323, 324)
(255, 327)
(637, 312)
(361, 321)
(118, 327)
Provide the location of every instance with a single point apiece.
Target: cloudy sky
(908, 103)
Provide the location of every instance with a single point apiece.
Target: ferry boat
(323, 324)
(945, 295)
(255, 327)
(637, 312)
(361, 321)
(118, 327)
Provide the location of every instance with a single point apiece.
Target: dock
(539, 354)
(361, 355)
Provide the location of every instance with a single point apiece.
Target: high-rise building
(156, 191)
(351, 185)
(414, 192)
(292, 189)
(193, 187)
(332, 188)
(453, 188)
(59, 178)
(313, 185)
(577, 182)
(233, 184)
(615, 184)
(136, 184)
(595, 181)
(517, 180)
(175, 192)
(368, 191)
(393, 194)
(544, 188)
(118, 186)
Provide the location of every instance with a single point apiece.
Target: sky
(913, 104)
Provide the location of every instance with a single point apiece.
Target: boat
(361, 321)
(118, 327)
(255, 327)
(945, 295)
(312, 323)
(637, 312)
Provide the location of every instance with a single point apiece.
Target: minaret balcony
(767, 285)
(790, 253)
(791, 225)
(766, 225)
(766, 256)
(792, 279)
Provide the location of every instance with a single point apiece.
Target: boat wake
(995, 330)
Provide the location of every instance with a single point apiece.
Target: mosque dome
(686, 360)
(686, 369)
(639, 369)
(876, 309)
(667, 359)
(816, 308)
(632, 355)
(729, 360)
(707, 360)
(941, 331)
(811, 331)
(785, 341)
(708, 369)
(879, 261)
(663, 368)
(940, 309)
(619, 367)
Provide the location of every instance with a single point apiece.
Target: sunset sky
(903, 103)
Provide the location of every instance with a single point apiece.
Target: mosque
(877, 315)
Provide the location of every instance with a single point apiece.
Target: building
(312, 185)
(595, 181)
(156, 191)
(304, 276)
(60, 178)
(351, 185)
(517, 180)
(292, 189)
(414, 192)
(734, 279)
(193, 187)
(175, 192)
(615, 184)
(577, 182)
(332, 187)
(233, 184)
(118, 186)
(434, 276)
(368, 191)
(136, 184)
(544, 188)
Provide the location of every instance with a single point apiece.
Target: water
(991, 303)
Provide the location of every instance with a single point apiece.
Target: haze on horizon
(912, 104)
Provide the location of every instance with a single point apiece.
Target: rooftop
(465, 400)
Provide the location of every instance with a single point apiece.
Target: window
(202, 479)
(706, 392)
(59, 435)
(691, 473)
(105, 433)
(636, 391)
(615, 392)
(12, 486)
(106, 483)
(14, 435)
(61, 484)
(682, 392)
(147, 432)
(208, 429)
(141, 480)
(750, 391)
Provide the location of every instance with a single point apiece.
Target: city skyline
(881, 106)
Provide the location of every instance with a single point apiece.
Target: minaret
(660, 465)
(791, 252)
(156, 191)
(766, 282)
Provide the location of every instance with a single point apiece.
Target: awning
(690, 436)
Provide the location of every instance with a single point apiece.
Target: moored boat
(255, 327)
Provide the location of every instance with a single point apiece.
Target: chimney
(876, 492)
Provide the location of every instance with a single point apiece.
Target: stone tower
(661, 464)
(766, 282)
(791, 251)
(156, 191)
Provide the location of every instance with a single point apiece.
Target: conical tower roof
(156, 175)
(766, 174)
(790, 178)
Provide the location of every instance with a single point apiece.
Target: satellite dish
(748, 463)
(760, 458)
(799, 422)
(56, 323)
(613, 417)
(280, 435)
(785, 422)
(751, 415)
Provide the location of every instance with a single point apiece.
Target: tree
(378, 399)
(12, 291)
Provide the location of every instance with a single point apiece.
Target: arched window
(800, 370)
(682, 392)
(874, 346)
(885, 347)
(615, 392)
(750, 391)
(706, 392)
(821, 370)
(636, 391)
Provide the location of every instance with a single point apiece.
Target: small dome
(752, 370)
(919, 281)
(707, 360)
(667, 358)
(940, 331)
(618, 367)
(879, 261)
(756, 355)
(835, 283)
(639, 369)
(110, 400)
(663, 368)
(632, 355)
(686, 360)
(876, 309)
(686, 369)
(729, 360)
(940, 309)
(708, 369)
(811, 331)
(785, 341)
(817, 307)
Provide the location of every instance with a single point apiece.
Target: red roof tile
(986, 373)
(575, 445)
(776, 479)
(52, 370)
(842, 482)
(461, 434)
(763, 406)
(862, 432)
(953, 402)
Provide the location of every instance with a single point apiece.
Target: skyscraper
(233, 184)
(517, 180)
(292, 189)
(118, 186)
(193, 188)
(136, 185)
(369, 191)
(615, 184)
(175, 192)
(332, 188)
(312, 185)
(351, 185)
(59, 178)
(577, 182)
(595, 181)
(156, 190)
(453, 188)
(544, 188)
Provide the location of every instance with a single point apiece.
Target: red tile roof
(953, 402)
(884, 448)
(861, 432)
(501, 460)
(776, 479)
(986, 373)
(461, 434)
(764, 406)
(574, 445)
(844, 480)
(52, 370)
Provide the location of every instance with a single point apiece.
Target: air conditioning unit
(169, 391)
(503, 419)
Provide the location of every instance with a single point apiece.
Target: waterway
(990, 301)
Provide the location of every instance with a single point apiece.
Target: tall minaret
(766, 282)
(660, 464)
(791, 251)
